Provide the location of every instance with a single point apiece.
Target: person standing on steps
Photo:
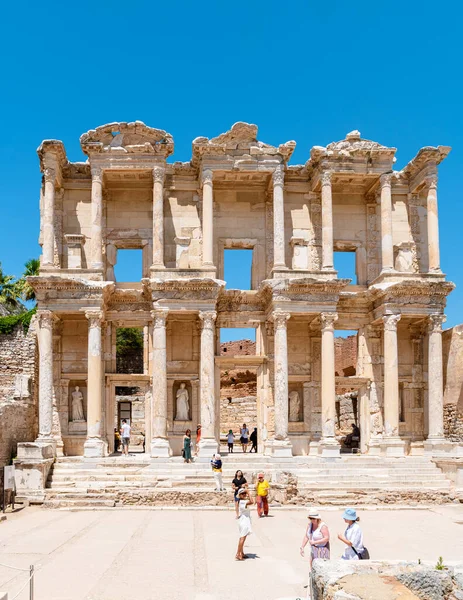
(187, 446)
(125, 434)
(262, 488)
(230, 440)
(244, 437)
(244, 521)
(253, 439)
(216, 464)
(198, 438)
(238, 482)
(318, 536)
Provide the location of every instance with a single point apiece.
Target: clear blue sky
(303, 70)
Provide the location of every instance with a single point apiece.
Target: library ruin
(238, 193)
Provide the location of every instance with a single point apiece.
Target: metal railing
(30, 580)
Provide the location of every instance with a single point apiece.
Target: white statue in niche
(183, 403)
(294, 406)
(77, 405)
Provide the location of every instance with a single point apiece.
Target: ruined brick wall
(18, 390)
(452, 349)
(345, 355)
(238, 348)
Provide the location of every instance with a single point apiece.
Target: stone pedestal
(280, 449)
(32, 467)
(392, 447)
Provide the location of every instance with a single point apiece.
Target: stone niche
(74, 243)
(404, 257)
(178, 401)
(77, 426)
(296, 406)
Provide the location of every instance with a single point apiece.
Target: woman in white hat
(244, 521)
(353, 536)
(318, 536)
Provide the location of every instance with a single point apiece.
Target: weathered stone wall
(18, 390)
(233, 414)
(238, 348)
(346, 412)
(452, 342)
(345, 350)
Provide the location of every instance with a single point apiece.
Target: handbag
(364, 555)
(183, 452)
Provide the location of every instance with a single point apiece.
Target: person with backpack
(216, 464)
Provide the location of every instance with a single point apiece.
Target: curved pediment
(134, 138)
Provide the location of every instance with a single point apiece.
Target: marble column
(433, 225)
(97, 219)
(159, 443)
(281, 445)
(48, 247)
(278, 218)
(95, 445)
(208, 443)
(329, 446)
(392, 443)
(327, 222)
(387, 249)
(45, 318)
(435, 379)
(208, 214)
(158, 217)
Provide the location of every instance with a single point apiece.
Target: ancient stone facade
(238, 192)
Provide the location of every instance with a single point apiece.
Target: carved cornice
(185, 289)
(429, 155)
(328, 319)
(208, 318)
(280, 319)
(235, 300)
(159, 316)
(435, 323)
(391, 321)
(413, 292)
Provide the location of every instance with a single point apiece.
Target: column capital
(280, 318)
(326, 177)
(435, 323)
(391, 321)
(159, 174)
(95, 317)
(97, 174)
(278, 176)
(206, 176)
(431, 181)
(328, 319)
(385, 180)
(160, 316)
(49, 175)
(46, 319)
(208, 318)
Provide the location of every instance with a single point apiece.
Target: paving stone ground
(189, 554)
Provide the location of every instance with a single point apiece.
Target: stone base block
(281, 449)
(437, 447)
(36, 450)
(95, 448)
(393, 447)
(160, 448)
(207, 447)
(31, 469)
(329, 448)
(314, 448)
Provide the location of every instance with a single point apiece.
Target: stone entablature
(240, 193)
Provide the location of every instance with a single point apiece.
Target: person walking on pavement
(353, 537)
(262, 488)
(216, 464)
(244, 521)
(318, 536)
(125, 434)
(238, 482)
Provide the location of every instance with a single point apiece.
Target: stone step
(78, 503)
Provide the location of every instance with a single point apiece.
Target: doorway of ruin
(237, 367)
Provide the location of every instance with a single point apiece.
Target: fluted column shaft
(159, 443)
(208, 210)
(97, 219)
(433, 225)
(391, 376)
(278, 218)
(387, 250)
(48, 248)
(280, 319)
(158, 217)
(327, 222)
(45, 375)
(435, 378)
(328, 378)
(95, 445)
(206, 379)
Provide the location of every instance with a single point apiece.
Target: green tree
(9, 294)
(31, 268)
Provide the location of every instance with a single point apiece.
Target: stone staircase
(77, 482)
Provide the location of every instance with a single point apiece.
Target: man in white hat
(216, 464)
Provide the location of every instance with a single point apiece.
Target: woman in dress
(318, 536)
(198, 438)
(187, 446)
(238, 482)
(244, 521)
(244, 437)
(353, 536)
